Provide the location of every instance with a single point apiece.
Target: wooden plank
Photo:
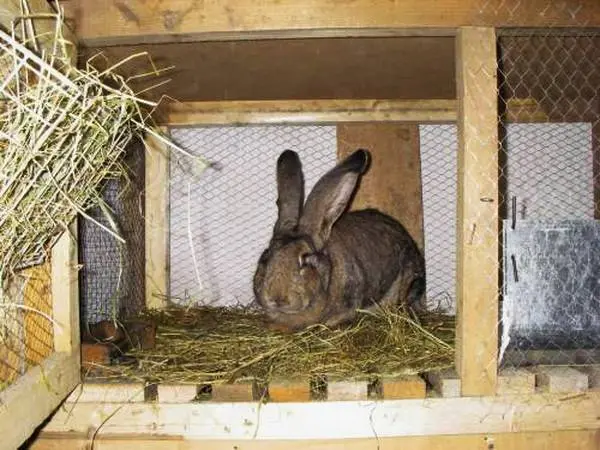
(593, 374)
(233, 392)
(402, 387)
(341, 390)
(445, 382)
(515, 381)
(477, 221)
(393, 181)
(157, 222)
(262, 112)
(335, 420)
(107, 393)
(579, 439)
(309, 111)
(297, 69)
(151, 21)
(31, 399)
(289, 390)
(65, 293)
(560, 379)
(176, 393)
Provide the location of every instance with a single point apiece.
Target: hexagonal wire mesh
(112, 274)
(220, 223)
(551, 295)
(26, 329)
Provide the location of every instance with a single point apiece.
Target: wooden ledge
(336, 419)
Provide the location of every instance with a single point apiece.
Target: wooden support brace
(107, 393)
(515, 381)
(477, 221)
(65, 293)
(289, 390)
(402, 387)
(177, 393)
(338, 389)
(235, 392)
(157, 222)
(556, 379)
(593, 374)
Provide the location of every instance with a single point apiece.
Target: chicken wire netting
(549, 84)
(112, 273)
(222, 221)
(26, 330)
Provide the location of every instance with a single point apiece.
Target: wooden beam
(32, 398)
(108, 22)
(65, 294)
(477, 221)
(157, 222)
(264, 112)
(308, 111)
(333, 419)
(581, 440)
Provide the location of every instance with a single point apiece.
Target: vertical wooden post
(157, 222)
(65, 293)
(477, 222)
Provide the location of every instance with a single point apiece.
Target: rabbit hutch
(133, 322)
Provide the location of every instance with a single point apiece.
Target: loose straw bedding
(225, 344)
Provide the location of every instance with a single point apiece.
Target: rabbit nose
(279, 301)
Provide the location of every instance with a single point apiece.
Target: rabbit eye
(303, 260)
(307, 260)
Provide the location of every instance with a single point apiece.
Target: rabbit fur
(322, 262)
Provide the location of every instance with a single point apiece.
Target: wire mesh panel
(550, 196)
(438, 171)
(26, 329)
(221, 222)
(112, 273)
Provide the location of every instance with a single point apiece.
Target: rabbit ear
(290, 189)
(330, 196)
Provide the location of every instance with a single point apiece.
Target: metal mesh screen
(221, 222)
(438, 170)
(26, 330)
(112, 273)
(551, 302)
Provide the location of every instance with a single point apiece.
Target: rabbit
(322, 262)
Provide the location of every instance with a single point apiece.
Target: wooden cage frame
(486, 408)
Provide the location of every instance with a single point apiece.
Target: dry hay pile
(63, 133)
(219, 345)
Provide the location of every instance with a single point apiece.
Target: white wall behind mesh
(221, 222)
(226, 217)
(438, 171)
(550, 171)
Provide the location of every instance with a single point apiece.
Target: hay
(63, 133)
(220, 345)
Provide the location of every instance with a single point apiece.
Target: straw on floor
(226, 344)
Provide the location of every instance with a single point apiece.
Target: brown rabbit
(323, 263)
